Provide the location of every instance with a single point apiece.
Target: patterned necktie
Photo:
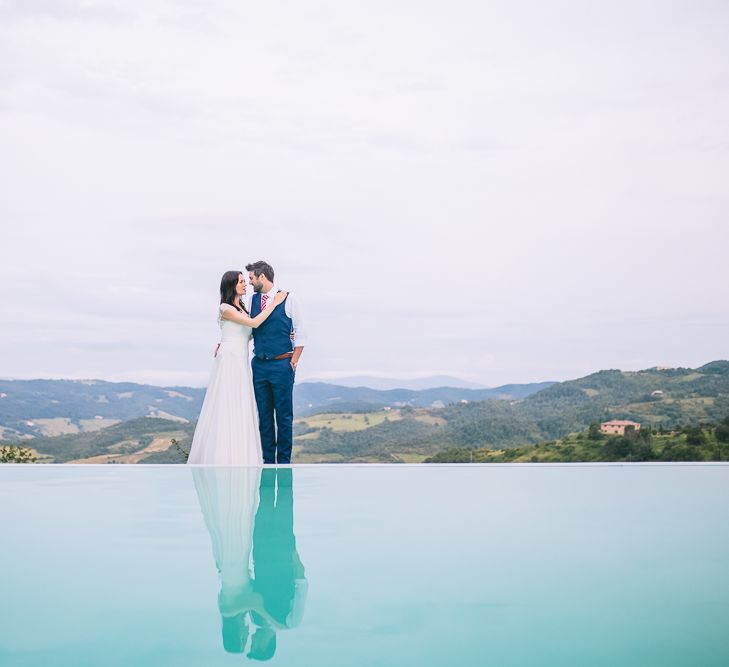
(264, 298)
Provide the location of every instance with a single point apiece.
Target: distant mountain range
(385, 384)
(30, 408)
(314, 397)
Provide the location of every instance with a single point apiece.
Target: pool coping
(572, 464)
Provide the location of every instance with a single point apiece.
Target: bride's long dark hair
(228, 295)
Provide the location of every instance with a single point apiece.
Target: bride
(227, 429)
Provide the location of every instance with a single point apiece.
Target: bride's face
(240, 288)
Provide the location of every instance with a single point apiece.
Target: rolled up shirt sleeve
(293, 311)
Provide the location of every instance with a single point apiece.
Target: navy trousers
(273, 384)
(275, 559)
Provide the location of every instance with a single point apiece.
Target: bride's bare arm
(258, 320)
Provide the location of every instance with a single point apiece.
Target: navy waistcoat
(273, 337)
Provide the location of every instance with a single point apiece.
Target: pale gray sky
(508, 191)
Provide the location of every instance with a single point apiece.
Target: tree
(452, 455)
(695, 436)
(722, 432)
(675, 452)
(183, 452)
(594, 431)
(642, 452)
(11, 454)
(646, 435)
(615, 449)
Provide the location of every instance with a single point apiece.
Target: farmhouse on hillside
(617, 426)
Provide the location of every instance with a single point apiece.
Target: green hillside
(709, 442)
(115, 444)
(667, 400)
(31, 408)
(687, 396)
(663, 398)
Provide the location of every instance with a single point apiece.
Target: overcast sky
(501, 191)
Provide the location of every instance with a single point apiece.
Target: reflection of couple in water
(256, 599)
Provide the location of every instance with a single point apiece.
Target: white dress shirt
(293, 311)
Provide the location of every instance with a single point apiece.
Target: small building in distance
(617, 426)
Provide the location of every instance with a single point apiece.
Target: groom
(277, 347)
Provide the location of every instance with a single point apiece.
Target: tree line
(705, 442)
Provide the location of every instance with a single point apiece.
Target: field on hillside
(347, 422)
(139, 440)
(661, 399)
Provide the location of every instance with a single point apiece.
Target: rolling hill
(395, 428)
(31, 408)
(665, 398)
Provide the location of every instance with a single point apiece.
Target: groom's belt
(285, 355)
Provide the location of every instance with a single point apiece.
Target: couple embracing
(247, 415)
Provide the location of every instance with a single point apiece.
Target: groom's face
(255, 282)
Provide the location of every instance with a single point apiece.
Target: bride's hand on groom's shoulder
(280, 296)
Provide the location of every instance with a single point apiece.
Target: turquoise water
(365, 565)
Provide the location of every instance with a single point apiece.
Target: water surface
(365, 565)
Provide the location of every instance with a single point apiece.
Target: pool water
(364, 565)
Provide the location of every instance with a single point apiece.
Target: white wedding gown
(229, 500)
(227, 429)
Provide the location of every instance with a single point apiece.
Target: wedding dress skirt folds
(227, 429)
